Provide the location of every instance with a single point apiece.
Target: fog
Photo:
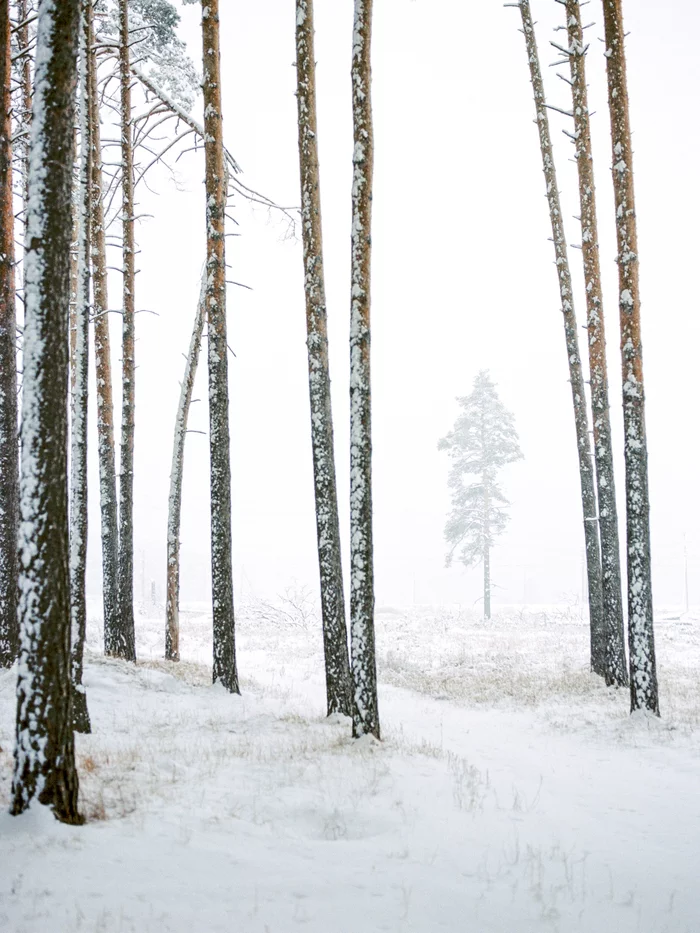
(463, 279)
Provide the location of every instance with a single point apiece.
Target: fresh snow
(512, 792)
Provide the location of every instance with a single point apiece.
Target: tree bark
(127, 641)
(44, 753)
(109, 529)
(80, 331)
(643, 682)
(172, 603)
(615, 666)
(578, 390)
(9, 464)
(335, 638)
(24, 117)
(365, 713)
(224, 667)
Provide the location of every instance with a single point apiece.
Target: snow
(512, 791)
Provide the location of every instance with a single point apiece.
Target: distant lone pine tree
(482, 441)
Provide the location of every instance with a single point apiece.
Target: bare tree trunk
(103, 368)
(365, 713)
(127, 641)
(172, 603)
(24, 117)
(335, 636)
(615, 662)
(578, 389)
(224, 669)
(643, 682)
(80, 335)
(9, 464)
(44, 753)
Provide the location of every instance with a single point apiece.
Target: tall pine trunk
(80, 331)
(365, 712)
(643, 682)
(224, 668)
(335, 637)
(172, 602)
(127, 642)
(615, 664)
(578, 389)
(24, 116)
(9, 465)
(44, 753)
(109, 529)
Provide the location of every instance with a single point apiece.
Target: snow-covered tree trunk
(103, 367)
(615, 662)
(127, 642)
(224, 670)
(80, 330)
(643, 682)
(9, 465)
(335, 638)
(44, 753)
(588, 496)
(365, 713)
(172, 602)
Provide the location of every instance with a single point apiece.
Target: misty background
(463, 279)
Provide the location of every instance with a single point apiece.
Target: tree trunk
(615, 666)
(127, 641)
(172, 603)
(578, 389)
(365, 713)
(44, 753)
(9, 465)
(224, 668)
(80, 331)
(24, 116)
(103, 368)
(335, 637)
(643, 682)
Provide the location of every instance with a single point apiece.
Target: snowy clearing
(511, 793)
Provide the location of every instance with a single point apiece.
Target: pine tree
(338, 688)
(172, 600)
(217, 355)
(578, 388)
(80, 331)
(365, 713)
(109, 526)
(127, 640)
(44, 752)
(615, 667)
(481, 443)
(643, 682)
(9, 465)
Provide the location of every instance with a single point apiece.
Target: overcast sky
(463, 279)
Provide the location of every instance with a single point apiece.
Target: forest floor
(512, 792)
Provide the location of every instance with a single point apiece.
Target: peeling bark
(365, 713)
(615, 665)
(224, 668)
(578, 390)
(44, 752)
(335, 643)
(643, 682)
(127, 641)
(172, 603)
(9, 464)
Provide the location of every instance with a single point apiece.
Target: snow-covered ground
(512, 791)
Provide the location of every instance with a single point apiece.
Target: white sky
(463, 279)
